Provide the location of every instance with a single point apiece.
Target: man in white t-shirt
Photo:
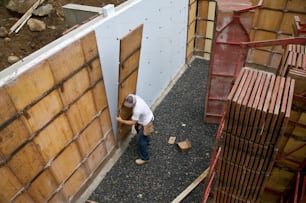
(142, 118)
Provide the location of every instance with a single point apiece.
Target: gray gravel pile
(169, 171)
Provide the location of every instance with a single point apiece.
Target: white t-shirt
(142, 112)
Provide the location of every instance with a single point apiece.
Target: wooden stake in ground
(17, 26)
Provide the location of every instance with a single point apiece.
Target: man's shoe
(140, 161)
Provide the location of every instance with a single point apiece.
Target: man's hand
(119, 119)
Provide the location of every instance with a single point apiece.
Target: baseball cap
(130, 100)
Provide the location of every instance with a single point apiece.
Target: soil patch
(25, 42)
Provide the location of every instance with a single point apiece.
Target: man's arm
(126, 122)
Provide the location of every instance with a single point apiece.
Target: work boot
(140, 161)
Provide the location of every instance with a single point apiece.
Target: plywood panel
(74, 182)
(203, 9)
(286, 24)
(97, 156)
(51, 105)
(89, 46)
(100, 98)
(89, 138)
(130, 43)
(279, 4)
(30, 85)
(272, 24)
(110, 141)
(61, 64)
(259, 57)
(296, 5)
(74, 87)
(58, 197)
(65, 164)
(43, 187)
(13, 134)
(26, 163)
(23, 197)
(57, 134)
(105, 121)
(81, 112)
(130, 65)
(128, 72)
(261, 35)
(9, 184)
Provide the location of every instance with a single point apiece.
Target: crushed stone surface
(169, 171)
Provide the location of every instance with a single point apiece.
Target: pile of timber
(258, 109)
(294, 59)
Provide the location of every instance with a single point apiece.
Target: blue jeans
(143, 142)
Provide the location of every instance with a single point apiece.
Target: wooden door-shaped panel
(130, 46)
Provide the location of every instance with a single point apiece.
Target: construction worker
(142, 118)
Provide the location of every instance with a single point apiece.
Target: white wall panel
(162, 52)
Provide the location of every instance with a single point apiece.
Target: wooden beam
(183, 194)
(16, 27)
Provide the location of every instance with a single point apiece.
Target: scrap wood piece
(90, 201)
(184, 145)
(171, 140)
(16, 27)
(183, 194)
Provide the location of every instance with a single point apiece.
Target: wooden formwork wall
(201, 25)
(130, 46)
(273, 21)
(55, 126)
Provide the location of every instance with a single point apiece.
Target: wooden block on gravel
(184, 145)
(171, 140)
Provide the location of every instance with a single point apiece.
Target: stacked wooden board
(292, 148)
(294, 59)
(258, 109)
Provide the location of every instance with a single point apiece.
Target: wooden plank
(183, 194)
(264, 122)
(17, 26)
(229, 140)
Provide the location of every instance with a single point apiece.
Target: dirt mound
(25, 42)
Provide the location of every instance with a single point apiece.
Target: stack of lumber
(294, 59)
(258, 109)
(292, 148)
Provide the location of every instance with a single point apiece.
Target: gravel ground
(169, 170)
